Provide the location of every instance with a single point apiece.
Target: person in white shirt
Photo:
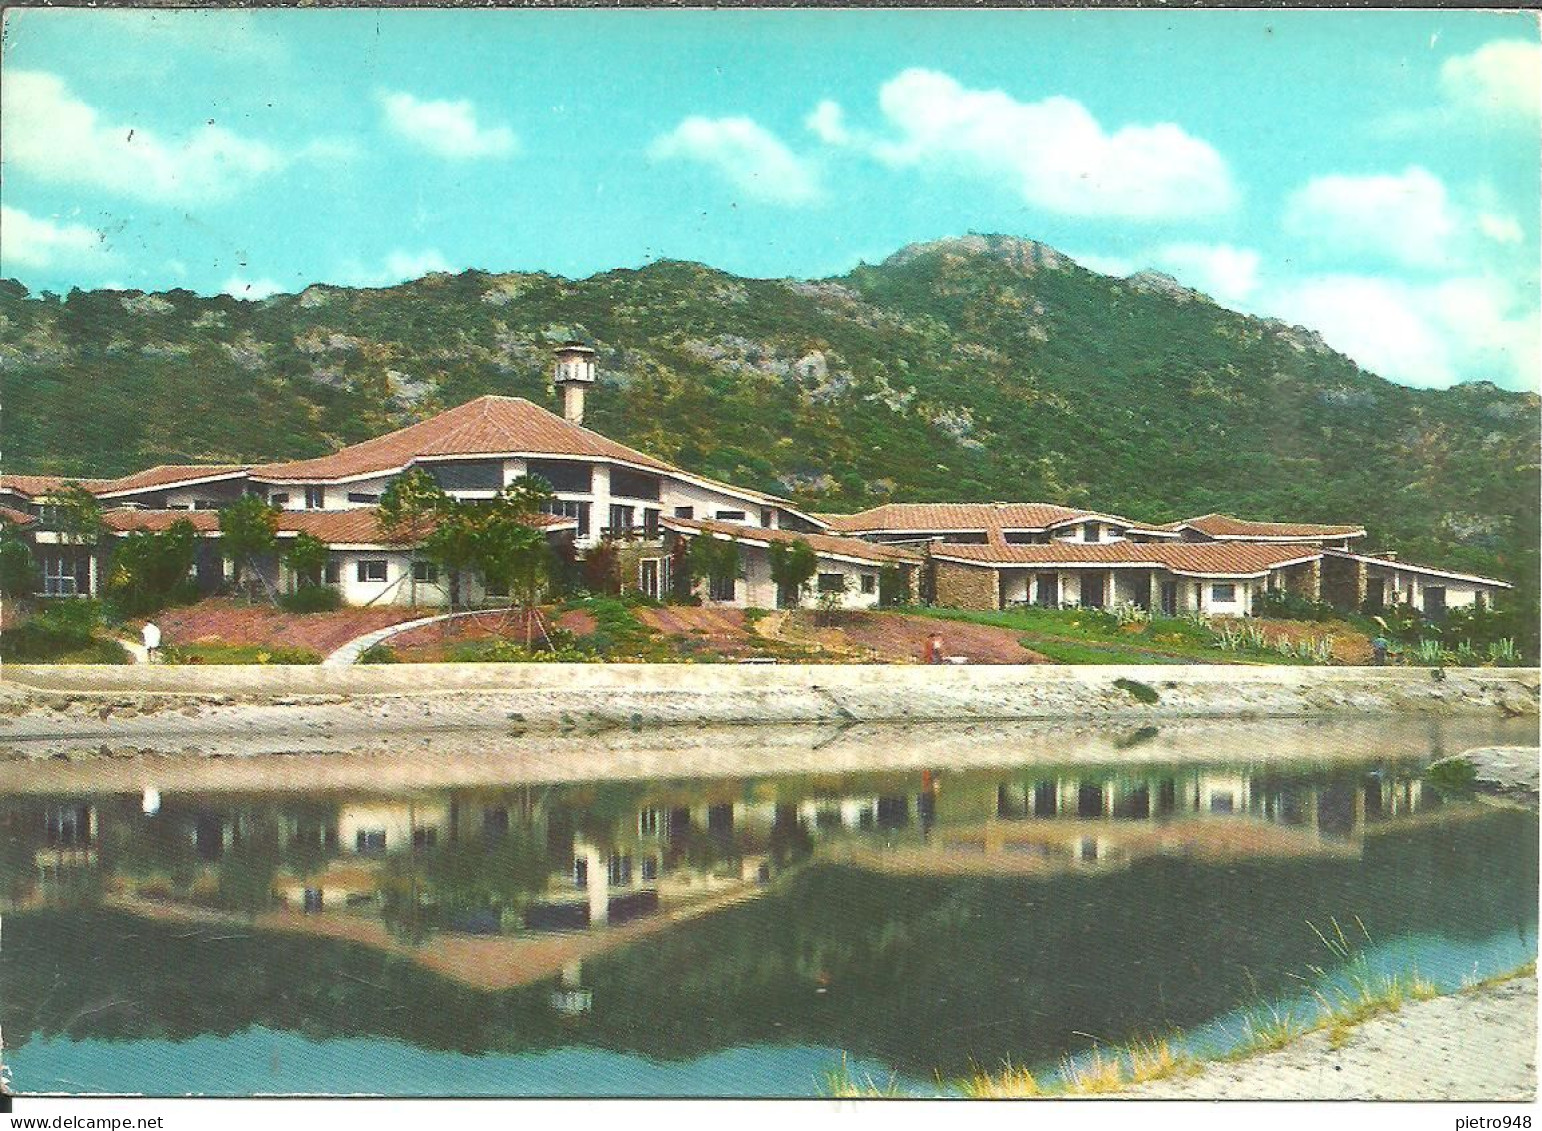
(152, 638)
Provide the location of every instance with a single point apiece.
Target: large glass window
(372, 569)
(570, 508)
(563, 475)
(633, 484)
(470, 475)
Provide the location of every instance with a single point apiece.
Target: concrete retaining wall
(120, 703)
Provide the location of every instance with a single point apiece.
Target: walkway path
(134, 648)
(350, 652)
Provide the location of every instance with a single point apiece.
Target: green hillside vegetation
(979, 368)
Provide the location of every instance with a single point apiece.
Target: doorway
(1170, 598)
(648, 577)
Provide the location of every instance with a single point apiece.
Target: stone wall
(966, 587)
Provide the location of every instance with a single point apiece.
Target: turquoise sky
(1372, 175)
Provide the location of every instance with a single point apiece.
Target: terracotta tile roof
(34, 485)
(922, 518)
(124, 519)
(166, 475)
(356, 527)
(484, 426)
(16, 517)
(820, 543)
(1231, 559)
(1225, 526)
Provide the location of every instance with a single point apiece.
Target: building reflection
(586, 860)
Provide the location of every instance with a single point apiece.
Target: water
(529, 932)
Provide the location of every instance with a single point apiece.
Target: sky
(1371, 175)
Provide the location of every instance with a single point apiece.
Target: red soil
(432, 641)
(896, 638)
(221, 621)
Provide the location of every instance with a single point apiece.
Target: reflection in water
(923, 919)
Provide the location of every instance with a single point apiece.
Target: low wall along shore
(124, 703)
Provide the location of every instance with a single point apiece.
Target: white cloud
(54, 136)
(1406, 218)
(1462, 328)
(1228, 274)
(1500, 229)
(1114, 265)
(448, 129)
(29, 242)
(828, 123)
(251, 289)
(743, 152)
(397, 267)
(1054, 152)
(1500, 79)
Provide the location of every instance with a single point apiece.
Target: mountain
(985, 367)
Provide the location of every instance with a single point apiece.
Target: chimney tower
(574, 373)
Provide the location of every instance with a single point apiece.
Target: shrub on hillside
(311, 599)
(1280, 605)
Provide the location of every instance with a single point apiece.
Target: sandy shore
(1478, 1045)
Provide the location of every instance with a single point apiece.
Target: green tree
(408, 509)
(455, 542)
(149, 570)
(713, 559)
(793, 566)
(19, 576)
(248, 529)
(75, 513)
(306, 558)
(513, 551)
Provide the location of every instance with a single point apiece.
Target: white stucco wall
(756, 590)
(396, 819)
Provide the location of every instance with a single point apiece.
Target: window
(563, 475)
(477, 475)
(372, 569)
(650, 522)
(363, 497)
(279, 500)
(620, 520)
(620, 871)
(869, 583)
(685, 512)
(633, 484)
(315, 498)
(580, 872)
(1225, 594)
(68, 826)
(425, 837)
(650, 869)
(425, 571)
(569, 508)
(648, 822)
(722, 588)
(766, 515)
(731, 516)
(1026, 538)
(370, 841)
(333, 573)
(966, 537)
(62, 575)
(203, 505)
(1091, 532)
(832, 583)
(720, 818)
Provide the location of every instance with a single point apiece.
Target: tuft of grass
(1140, 692)
(1010, 1082)
(840, 1084)
(1096, 1076)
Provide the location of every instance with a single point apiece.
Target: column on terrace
(91, 577)
(599, 511)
